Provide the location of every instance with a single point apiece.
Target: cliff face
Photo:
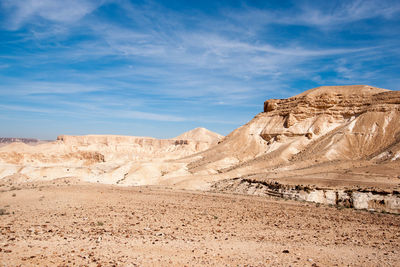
(123, 143)
(325, 123)
(331, 104)
(136, 148)
(199, 137)
(111, 147)
(349, 122)
(336, 101)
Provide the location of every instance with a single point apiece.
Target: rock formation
(326, 123)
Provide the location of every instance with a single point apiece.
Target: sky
(159, 68)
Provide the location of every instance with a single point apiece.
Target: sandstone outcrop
(326, 123)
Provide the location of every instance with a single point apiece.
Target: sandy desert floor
(60, 223)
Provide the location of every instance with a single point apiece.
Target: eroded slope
(106, 159)
(326, 123)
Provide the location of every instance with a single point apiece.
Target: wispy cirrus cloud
(37, 87)
(21, 12)
(325, 15)
(118, 59)
(94, 113)
(336, 14)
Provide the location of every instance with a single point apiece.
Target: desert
(313, 180)
(65, 224)
(199, 133)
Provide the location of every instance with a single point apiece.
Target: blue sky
(159, 68)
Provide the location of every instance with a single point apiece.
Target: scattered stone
(4, 212)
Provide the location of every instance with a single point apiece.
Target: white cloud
(34, 87)
(321, 14)
(24, 11)
(347, 12)
(9, 107)
(99, 112)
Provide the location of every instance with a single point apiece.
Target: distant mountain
(7, 140)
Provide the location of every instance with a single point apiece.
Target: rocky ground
(59, 223)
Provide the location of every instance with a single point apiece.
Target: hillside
(332, 140)
(110, 159)
(325, 123)
(336, 137)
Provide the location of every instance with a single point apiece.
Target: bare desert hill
(200, 134)
(341, 137)
(324, 124)
(337, 138)
(109, 159)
